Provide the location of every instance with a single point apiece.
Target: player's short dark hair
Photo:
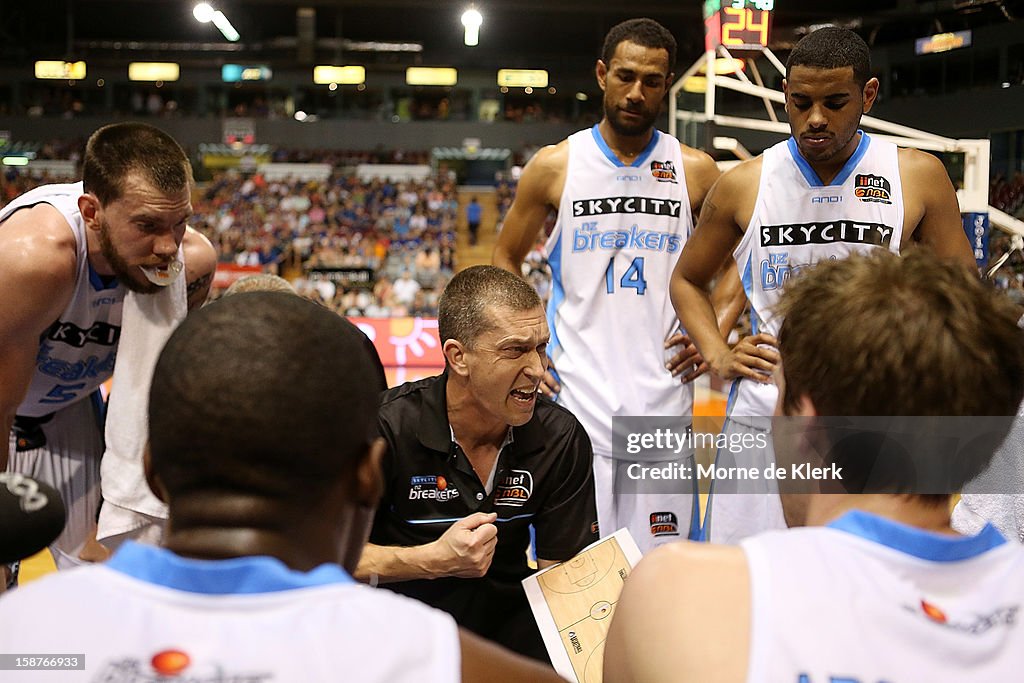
(463, 312)
(644, 32)
(114, 151)
(902, 337)
(263, 393)
(832, 47)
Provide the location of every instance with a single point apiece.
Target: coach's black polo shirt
(544, 477)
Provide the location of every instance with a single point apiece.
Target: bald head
(262, 393)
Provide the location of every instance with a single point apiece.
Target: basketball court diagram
(574, 600)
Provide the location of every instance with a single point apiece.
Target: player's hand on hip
(467, 547)
(753, 357)
(549, 385)
(687, 363)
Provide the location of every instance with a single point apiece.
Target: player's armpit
(538, 192)
(488, 662)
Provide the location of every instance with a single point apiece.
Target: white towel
(147, 320)
(997, 494)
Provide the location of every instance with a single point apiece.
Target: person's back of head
(832, 47)
(262, 282)
(910, 336)
(265, 397)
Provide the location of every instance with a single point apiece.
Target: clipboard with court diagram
(573, 601)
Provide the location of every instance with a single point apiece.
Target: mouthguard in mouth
(163, 275)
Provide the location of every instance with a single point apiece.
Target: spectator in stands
(405, 288)
(474, 212)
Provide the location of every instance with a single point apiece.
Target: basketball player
(878, 587)
(270, 499)
(68, 254)
(625, 194)
(828, 191)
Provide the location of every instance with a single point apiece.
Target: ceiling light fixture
(472, 20)
(204, 14)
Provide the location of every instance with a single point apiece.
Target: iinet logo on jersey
(515, 489)
(664, 524)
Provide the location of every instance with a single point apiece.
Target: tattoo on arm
(707, 211)
(197, 286)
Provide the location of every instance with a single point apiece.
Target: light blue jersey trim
(97, 282)
(747, 279)
(729, 402)
(926, 545)
(455, 519)
(610, 155)
(235, 576)
(811, 176)
(557, 292)
(748, 288)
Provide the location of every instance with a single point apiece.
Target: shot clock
(737, 24)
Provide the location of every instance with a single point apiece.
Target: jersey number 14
(633, 278)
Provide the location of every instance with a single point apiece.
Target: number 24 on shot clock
(737, 24)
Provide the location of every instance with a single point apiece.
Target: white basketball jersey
(76, 353)
(619, 233)
(248, 619)
(798, 221)
(868, 600)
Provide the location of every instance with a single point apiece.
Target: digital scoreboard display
(737, 24)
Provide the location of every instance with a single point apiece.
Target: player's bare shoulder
(39, 240)
(701, 173)
(735, 193)
(200, 265)
(545, 172)
(922, 172)
(38, 266)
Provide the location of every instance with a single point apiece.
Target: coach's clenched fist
(467, 547)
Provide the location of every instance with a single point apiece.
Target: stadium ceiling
(516, 33)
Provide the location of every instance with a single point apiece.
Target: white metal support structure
(973, 196)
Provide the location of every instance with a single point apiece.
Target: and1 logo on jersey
(515, 488)
(872, 188)
(664, 171)
(664, 524)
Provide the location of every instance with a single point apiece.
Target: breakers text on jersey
(826, 232)
(607, 205)
(588, 238)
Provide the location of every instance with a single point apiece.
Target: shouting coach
(476, 456)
